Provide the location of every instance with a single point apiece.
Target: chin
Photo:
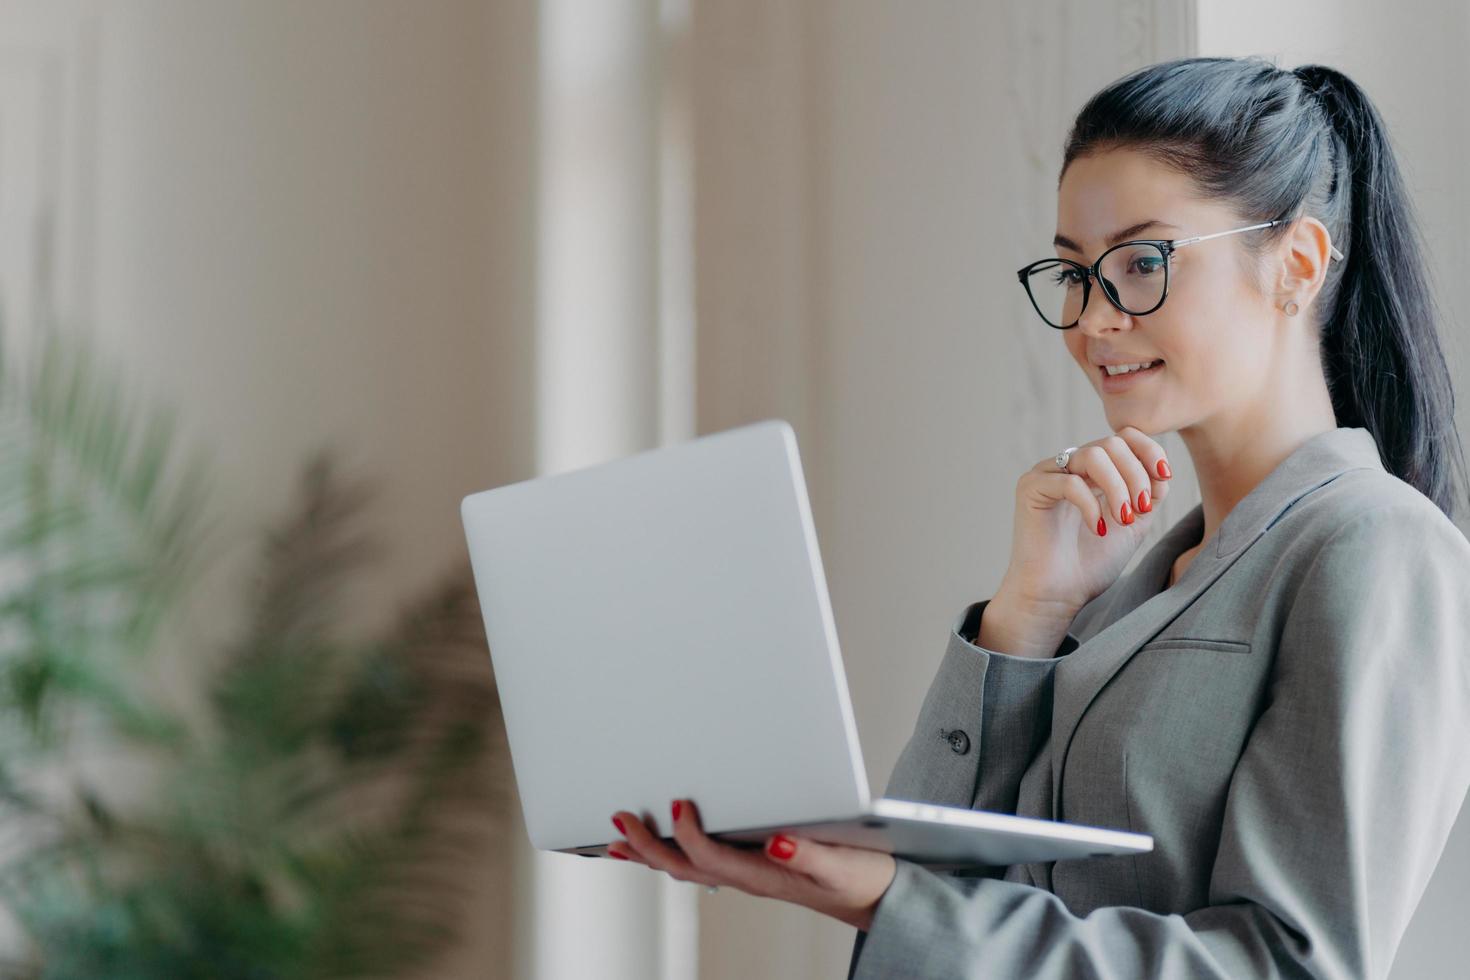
(1142, 421)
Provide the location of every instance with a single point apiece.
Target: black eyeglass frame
(1166, 247)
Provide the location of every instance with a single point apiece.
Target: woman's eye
(1147, 266)
(1067, 277)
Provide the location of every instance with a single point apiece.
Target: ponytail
(1381, 349)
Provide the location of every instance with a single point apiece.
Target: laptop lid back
(659, 627)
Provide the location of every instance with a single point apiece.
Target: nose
(1101, 316)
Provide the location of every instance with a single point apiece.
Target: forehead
(1105, 192)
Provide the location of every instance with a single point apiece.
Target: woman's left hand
(843, 882)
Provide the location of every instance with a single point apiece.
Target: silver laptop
(660, 628)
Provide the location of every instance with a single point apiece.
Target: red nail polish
(1125, 514)
(676, 809)
(619, 824)
(781, 847)
(1163, 469)
(620, 857)
(1144, 506)
(1102, 529)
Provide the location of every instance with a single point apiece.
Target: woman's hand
(1075, 531)
(843, 882)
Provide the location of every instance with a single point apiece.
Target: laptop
(659, 627)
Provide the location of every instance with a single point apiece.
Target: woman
(1279, 691)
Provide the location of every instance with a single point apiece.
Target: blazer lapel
(1080, 677)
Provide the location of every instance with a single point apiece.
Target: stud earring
(1291, 308)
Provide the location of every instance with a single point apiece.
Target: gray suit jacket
(1290, 721)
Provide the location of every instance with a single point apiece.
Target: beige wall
(311, 224)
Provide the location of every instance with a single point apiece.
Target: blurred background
(468, 242)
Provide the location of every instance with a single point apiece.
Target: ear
(1301, 262)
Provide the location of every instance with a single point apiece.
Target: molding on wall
(1051, 75)
(48, 71)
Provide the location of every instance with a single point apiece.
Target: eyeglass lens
(1133, 273)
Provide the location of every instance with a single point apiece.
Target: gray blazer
(1290, 721)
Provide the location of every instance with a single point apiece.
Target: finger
(624, 852)
(1059, 486)
(658, 855)
(833, 867)
(1093, 462)
(742, 868)
(1153, 457)
(1130, 468)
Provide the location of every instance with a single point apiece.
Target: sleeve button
(958, 740)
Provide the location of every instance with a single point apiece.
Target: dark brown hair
(1278, 144)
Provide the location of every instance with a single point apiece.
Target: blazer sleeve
(994, 707)
(1339, 808)
(1002, 705)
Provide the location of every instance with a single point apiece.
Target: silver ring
(1063, 457)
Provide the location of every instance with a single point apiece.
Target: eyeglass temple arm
(1181, 242)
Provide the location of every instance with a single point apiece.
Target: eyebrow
(1118, 236)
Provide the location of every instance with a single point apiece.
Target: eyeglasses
(1134, 277)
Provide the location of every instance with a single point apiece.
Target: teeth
(1114, 369)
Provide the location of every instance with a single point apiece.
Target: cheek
(1076, 345)
(1209, 358)
(1183, 342)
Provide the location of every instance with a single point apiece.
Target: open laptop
(660, 628)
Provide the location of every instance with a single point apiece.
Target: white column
(613, 348)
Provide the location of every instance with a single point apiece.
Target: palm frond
(319, 825)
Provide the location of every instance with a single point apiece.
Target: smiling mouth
(1153, 365)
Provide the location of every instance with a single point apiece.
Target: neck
(1234, 451)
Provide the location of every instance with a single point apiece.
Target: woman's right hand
(1059, 560)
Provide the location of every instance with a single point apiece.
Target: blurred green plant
(294, 805)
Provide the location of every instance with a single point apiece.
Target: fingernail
(620, 857)
(619, 824)
(1102, 529)
(676, 809)
(1125, 514)
(1144, 506)
(781, 847)
(1163, 469)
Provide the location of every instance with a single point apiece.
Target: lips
(1156, 362)
(1122, 382)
